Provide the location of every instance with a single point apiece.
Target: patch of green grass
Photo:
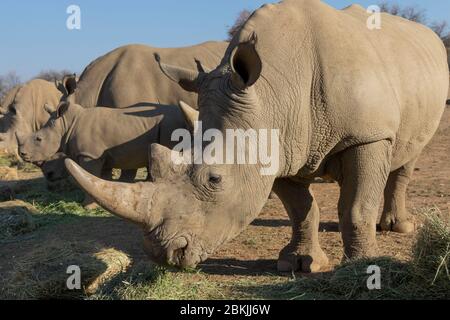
(148, 282)
(57, 207)
(8, 161)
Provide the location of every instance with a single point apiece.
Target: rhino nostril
(179, 247)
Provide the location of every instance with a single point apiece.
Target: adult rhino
(119, 79)
(25, 110)
(129, 76)
(355, 104)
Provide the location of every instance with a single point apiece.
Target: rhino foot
(404, 226)
(311, 261)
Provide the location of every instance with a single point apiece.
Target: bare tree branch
(53, 75)
(7, 82)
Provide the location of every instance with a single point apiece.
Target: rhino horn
(125, 200)
(20, 138)
(187, 79)
(200, 67)
(190, 114)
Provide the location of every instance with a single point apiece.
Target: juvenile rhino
(102, 138)
(356, 104)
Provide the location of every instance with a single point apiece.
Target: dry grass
(149, 282)
(42, 274)
(16, 218)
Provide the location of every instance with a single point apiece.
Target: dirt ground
(251, 257)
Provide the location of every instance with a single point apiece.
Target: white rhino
(29, 102)
(355, 104)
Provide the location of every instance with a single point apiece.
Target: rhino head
(29, 107)
(44, 144)
(54, 169)
(190, 209)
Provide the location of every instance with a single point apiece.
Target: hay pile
(8, 174)
(16, 218)
(42, 274)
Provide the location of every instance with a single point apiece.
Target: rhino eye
(39, 139)
(12, 109)
(215, 179)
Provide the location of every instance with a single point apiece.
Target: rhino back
(122, 136)
(354, 84)
(130, 75)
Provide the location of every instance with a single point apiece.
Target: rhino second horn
(130, 201)
(190, 114)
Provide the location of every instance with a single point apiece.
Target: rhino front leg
(128, 175)
(365, 170)
(94, 167)
(303, 252)
(395, 216)
(107, 174)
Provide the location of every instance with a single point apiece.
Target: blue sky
(34, 36)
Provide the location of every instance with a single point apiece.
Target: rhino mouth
(182, 251)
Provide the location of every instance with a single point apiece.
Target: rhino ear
(62, 108)
(49, 108)
(187, 79)
(246, 63)
(68, 85)
(190, 114)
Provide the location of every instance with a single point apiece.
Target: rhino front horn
(125, 200)
(20, 138)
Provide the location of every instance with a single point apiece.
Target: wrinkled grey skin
(350, 103)
(122, 137)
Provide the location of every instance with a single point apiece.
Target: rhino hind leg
(365, 170)
(107, 174)
(128, 175)
(395, 216)
(303, 253)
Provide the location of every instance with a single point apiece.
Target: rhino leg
(107, 174)
(365, 170)
(303, 252)
(395, 216)
(128, 175)
(94, 167)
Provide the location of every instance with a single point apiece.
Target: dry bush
(416, 14)
(240, 21)
(8, 82)
(53, 75)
